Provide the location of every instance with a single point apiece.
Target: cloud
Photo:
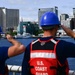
(27, 9)
(16, 1)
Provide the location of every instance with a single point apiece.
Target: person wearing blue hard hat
(48, 55)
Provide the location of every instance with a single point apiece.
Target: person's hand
(9, 37)
(68, 31)
(63, 26)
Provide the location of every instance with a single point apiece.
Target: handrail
(14, 68)
(17, 69)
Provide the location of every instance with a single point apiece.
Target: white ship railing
(17, 69)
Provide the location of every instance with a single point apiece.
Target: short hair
(49, 27)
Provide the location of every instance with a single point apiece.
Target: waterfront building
(27, 27)
(64, 16)
(65, 20)
(43, 10)
(2, 17)
(72, 26)
(9, 18)
(74, 12)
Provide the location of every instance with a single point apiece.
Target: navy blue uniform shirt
(64, 50)
(3, 57)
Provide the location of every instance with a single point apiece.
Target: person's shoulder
(28, 46)
(65, 43)
(62, 41)
(56, 39)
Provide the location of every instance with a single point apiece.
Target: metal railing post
(14, 73)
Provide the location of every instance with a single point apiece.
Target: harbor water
(17, 60)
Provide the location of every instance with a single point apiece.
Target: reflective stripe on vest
(42, 55)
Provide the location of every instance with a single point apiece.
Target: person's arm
(68, 31)
(16, 48)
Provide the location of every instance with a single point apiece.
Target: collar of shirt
(45, 38)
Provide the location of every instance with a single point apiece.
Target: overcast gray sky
(29, 8)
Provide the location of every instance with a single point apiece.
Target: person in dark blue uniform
(7, 52)
(41, 55)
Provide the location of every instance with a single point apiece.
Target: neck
(48, 34)
(51, 32)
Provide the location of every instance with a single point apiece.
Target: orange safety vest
(43, 59)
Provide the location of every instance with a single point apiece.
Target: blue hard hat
(49, 19)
